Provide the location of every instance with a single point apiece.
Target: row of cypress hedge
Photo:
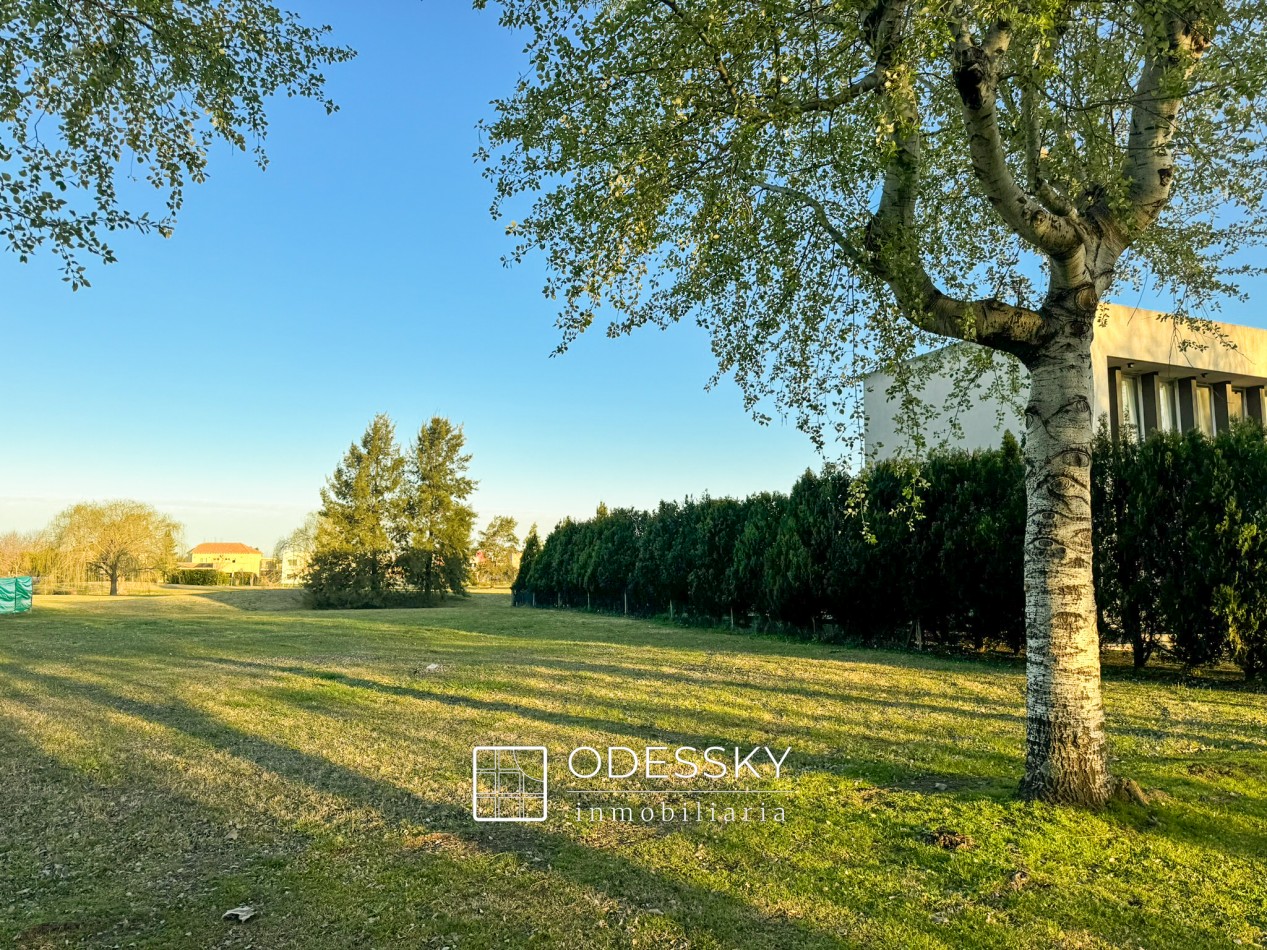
(1180, 528)
(931, 553)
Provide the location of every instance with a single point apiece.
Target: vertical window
(1132, 408)
(1168, 406)
(1205, 409)
(1236, 404)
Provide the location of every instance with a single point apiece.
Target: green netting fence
(15, 595)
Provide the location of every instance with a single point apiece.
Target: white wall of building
(1133, 340)
(942, 417)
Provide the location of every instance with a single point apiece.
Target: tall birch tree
(829, 185)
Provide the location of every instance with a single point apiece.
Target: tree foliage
(498, 546)
(818, 183)
(97, 94)
(1180, 538)
(16, 552)
(532, 549)
(303, 540)
(394, 529)
(199, 576)
(114, 541)
(361, 510)
(436, 520)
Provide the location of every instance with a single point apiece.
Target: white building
(1147, 375)
(292, 563)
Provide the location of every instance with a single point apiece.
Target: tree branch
(1175, 47)
(889, 251)
(855, 89)
(852, 251)
(975, 71)
(719, 63)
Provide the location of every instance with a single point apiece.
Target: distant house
(293, 563)
(479, 559)
(228, 558)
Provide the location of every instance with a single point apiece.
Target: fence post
(534, 598)
(670, 610)
(732, 618)
(626, 603)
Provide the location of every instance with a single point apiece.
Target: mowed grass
(164, 759)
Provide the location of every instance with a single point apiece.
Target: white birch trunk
(1066, 758)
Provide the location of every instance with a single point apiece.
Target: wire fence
(141, 587)
(632, 606)
(55, 585)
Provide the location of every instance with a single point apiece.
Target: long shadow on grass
(53, 810)
(251, 599)
(607, 628)
(600, 870)
(1243, 833)
(672, 681)
(187, 847)
(1206, 732)
(1179, 822)
(875, 768)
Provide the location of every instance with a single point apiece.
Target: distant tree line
(930, 553)
(395, 527)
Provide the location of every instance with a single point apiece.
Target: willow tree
(114, 540)
(827, 185)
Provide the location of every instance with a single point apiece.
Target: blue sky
(221, 374)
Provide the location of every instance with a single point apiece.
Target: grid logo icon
(508, 783)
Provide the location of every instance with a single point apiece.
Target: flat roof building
(1147, 374)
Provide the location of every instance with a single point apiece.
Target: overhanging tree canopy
(96, 93)
(825, 184)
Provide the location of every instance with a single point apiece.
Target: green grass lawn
(163, 759)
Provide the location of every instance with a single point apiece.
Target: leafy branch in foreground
(98, 94)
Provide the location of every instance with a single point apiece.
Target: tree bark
(1066, 759)
(114, 583)
(1140, 650)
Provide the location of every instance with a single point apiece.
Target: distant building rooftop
(230, 547)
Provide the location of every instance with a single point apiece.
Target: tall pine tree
(360, 517)
(437, 521)
(532, 548)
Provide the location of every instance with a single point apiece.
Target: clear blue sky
(221, 374)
